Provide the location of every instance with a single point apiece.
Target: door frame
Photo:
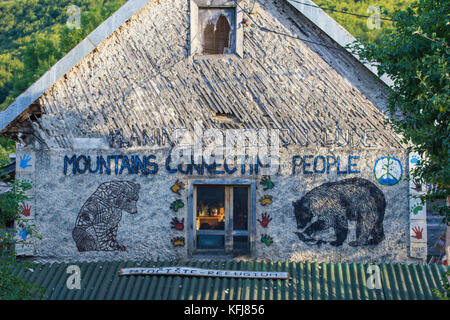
(191, 231)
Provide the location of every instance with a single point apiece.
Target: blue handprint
(24, 233)
(415, 159)
(24, 161)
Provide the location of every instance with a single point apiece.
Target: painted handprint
(179, 185)
(417, 185)
(178, 241)
(265, 219)
(418, 232)
(267, 183)
(24, 232)
(24, 161)
(266, 200)
(177, 224)
(26, 210)
(266, 239)
(176, 205)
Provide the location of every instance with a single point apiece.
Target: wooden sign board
(196, 272)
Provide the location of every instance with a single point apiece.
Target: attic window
(217, 30)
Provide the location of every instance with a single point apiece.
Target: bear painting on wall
(98, 220)
(333, 204)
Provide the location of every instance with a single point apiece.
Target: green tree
(13, 287)
(7, 147)
(353, 15)
(34, 36)
(415, 55)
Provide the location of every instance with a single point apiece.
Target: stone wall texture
(148, 233)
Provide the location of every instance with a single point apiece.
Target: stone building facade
(188, 129)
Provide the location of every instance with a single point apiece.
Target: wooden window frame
(195, 47)
(228, 232)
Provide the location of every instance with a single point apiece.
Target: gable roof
(132, 7)
(308, 281)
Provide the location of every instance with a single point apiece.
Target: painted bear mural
(98, 220)
(333, 204)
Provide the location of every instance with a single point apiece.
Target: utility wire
(339, 11)
(285, 34)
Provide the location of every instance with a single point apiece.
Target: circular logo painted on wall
(388, 170)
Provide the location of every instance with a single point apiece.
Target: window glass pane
(210, 208)
(217, 34)
(240, 243)
(210, 241)
(240, 208)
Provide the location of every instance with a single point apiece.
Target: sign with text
(196, 272)
(149, 165)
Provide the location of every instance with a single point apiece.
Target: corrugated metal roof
(308, 281)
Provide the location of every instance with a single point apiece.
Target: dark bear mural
(98, 220)
(333, 204)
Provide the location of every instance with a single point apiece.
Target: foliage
(358, 25)
(416, 57)
(34, 36)
(13, 287)
(444, 294)
(11, 200)
(7, 147)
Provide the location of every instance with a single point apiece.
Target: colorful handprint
(24, 232)
(417, 186)
(177, 224)
(26, 210)
(418, 232)
(266, 239)
(265, 219)
(24, 161)
(266, 200)
(176, 205)
(177, 187)
(267, 183)
(178, 241)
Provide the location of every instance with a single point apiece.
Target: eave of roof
(308, 281)
(334, 30)
(123, 14)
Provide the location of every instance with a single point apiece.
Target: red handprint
(265, 220)
(418, 232)
(177, 224)
(26, 210)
